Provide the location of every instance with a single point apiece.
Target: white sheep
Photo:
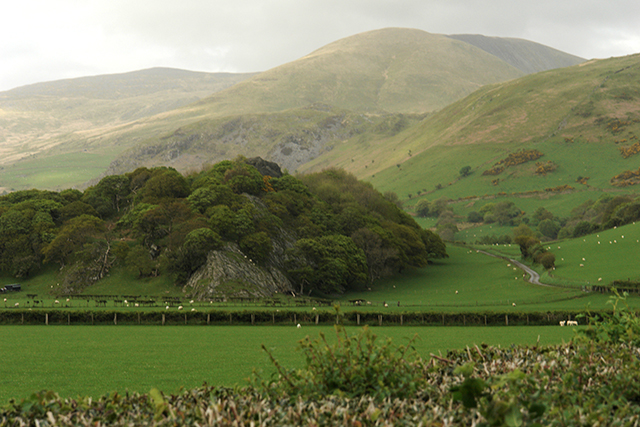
(298, 326)
(563, 322)
(180, 308)
(17, 304)
(572, 323)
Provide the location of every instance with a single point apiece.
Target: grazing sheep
(167, 307)
(17, 304)
(563, 322)
(456, 292)
(298, 326)
(180, 308)
(572, 323)
(513, 304)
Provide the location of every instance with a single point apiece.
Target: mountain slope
(378, 72)
(391, 70)
(526, 56)
(584, 120)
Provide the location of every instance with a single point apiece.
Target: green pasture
(483, 282)
(597, 259)
(56, 172)
(95, 360)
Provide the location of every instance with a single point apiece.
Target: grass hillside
(584, 120)
(391, 70)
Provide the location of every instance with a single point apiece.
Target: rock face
(228, 273)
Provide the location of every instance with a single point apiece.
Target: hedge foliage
(280, 317)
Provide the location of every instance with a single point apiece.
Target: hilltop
(64, 133)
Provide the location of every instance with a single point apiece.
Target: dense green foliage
(338, 232)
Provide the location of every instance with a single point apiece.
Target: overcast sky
(43, 40)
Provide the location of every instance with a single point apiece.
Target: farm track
(534, 277)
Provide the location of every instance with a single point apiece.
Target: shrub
(354, 366)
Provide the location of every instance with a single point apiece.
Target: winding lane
(534, 277)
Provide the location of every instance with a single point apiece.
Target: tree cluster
(342, 232)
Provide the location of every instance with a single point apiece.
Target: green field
(96, 360)
(483, 282)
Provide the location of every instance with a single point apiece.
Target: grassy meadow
(96, 360)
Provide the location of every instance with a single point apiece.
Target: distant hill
(376, 83)
(378, 73)
(525, 55)
(584, 120)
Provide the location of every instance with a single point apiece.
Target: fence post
(295, 319)
(506, 319)
(253, 319)
(273, 318)
(185, 318)
(317, 318)
(485, 320)
(401, 320)
(46, 318)
(115, 318)
(208, 318)
(380, 319)
(358, 318)
(23, 318)
(163, 319)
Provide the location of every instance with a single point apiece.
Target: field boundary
(285, 318)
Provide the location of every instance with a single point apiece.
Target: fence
(257, 317)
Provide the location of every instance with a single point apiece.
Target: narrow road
(534, 277)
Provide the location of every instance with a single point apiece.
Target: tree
(465, 171)
(549, 228)
(256, 246)
(422, 208)
(548, 260)
(382, 259)
(193, 253)
(337, 264)
(71, 237)
(475, 217)
(139, 260)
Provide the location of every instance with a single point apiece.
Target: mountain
(59, 118)
(375, 83)
(525, 55)
(390, 75)
(584, 122)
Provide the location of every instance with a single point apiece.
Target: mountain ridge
(375, 74)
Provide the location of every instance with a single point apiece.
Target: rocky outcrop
(265, 167)
(229, 273)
